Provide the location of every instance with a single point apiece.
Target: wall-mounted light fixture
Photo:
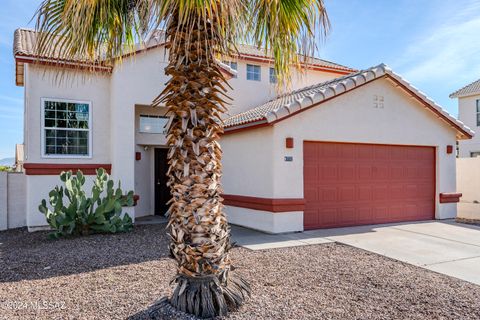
(289, 143)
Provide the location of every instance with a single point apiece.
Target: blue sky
(434, 44)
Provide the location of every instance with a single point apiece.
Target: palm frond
(287, 29)
(90, 29)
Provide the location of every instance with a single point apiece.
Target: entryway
(162, 192)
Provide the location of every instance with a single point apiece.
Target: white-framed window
(273, 76)
(478, 112)
(253, 72)
(232, 65)
(153, 124)
(66, 128)
(474, 154)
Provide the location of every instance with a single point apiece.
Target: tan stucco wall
(247, 163)
(247, 94)
(12, 200)
(467, 113)
(46, 82)
(348, 118)
(3, 201)
(468, 183)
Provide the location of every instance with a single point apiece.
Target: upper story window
(273, 75)
(232, 65)
(478, 113)
(253, 72)
(153, 124)
(66, 128)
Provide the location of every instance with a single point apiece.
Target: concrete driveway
(443, 246)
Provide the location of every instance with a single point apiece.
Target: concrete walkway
(442, 246)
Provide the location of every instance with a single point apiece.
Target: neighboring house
(469, 113)
(19, 158)
(343, 148)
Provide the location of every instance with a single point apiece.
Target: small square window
(273, 76)
(253, 72)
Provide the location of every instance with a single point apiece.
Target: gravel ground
(121, 276)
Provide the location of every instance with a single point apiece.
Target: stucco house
(343, 147)
(469, 113)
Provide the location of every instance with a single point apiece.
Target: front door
(162, 192)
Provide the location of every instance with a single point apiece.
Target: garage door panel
(380, 192)
(380, 172)
(397, 173)
(365, 193)
(364, 172)
(328, 216)
(328, 194)
(381, 153)
(310, 173)
(347, 215)
(346, 193)
(365, 214)
(346, 172)
(329, 172)
(311, 193)
(367, 184)
(365, 153)
(310, 217)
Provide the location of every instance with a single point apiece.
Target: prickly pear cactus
(72, 212)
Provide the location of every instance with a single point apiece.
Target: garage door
(354, 184)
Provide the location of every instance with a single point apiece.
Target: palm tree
(199, 34)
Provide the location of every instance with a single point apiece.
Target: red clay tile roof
(469, 89)
(287, 104)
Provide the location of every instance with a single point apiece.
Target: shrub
(6, 169)
(82, 215)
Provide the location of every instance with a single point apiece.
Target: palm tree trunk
(200, 235)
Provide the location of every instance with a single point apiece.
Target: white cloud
(449, 51)
(15, 100)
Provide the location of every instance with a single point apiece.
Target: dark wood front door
(162, 192)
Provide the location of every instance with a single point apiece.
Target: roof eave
(21, 60)
(465, 95)
(246, 126)
(316, 67)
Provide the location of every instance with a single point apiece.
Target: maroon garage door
(348, 184)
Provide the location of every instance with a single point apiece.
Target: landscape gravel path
(121, 276)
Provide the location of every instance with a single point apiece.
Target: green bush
(82, 215)
(6, 168)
